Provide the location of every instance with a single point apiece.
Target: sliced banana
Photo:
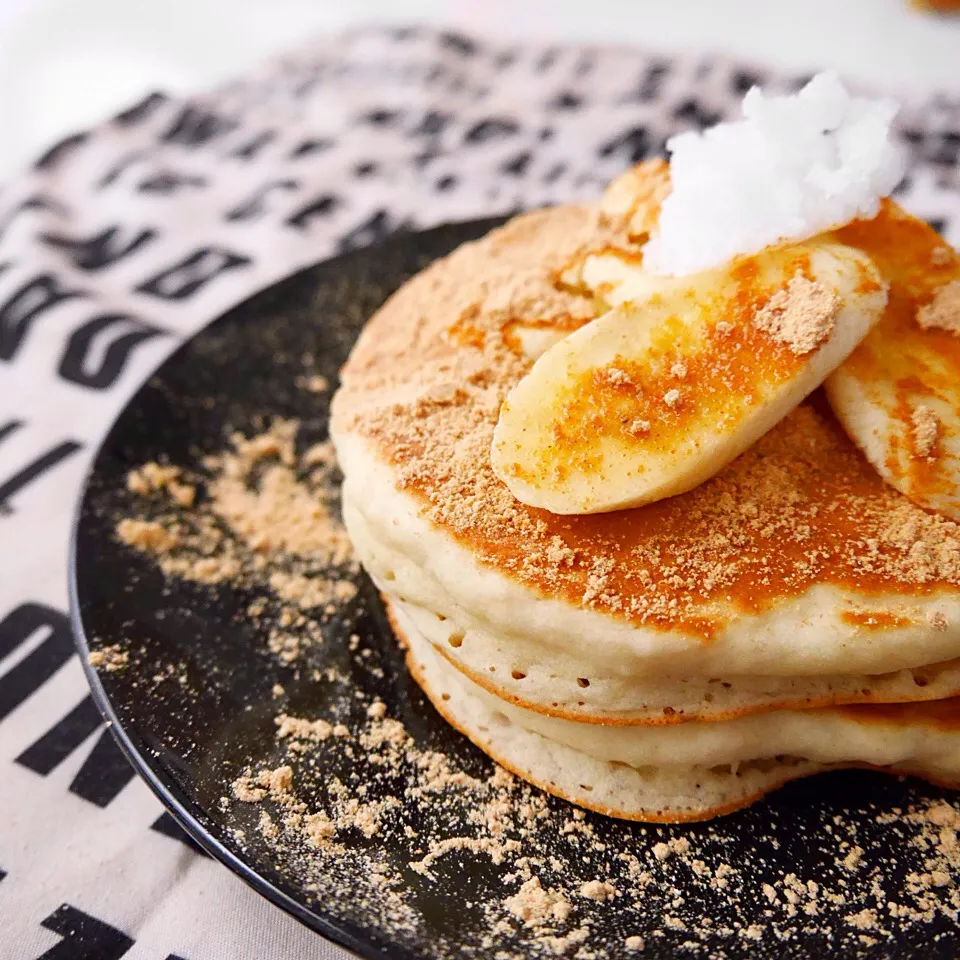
(898, 395)
(633, 198)
(663, 391)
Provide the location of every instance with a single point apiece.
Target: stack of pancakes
(670, 662)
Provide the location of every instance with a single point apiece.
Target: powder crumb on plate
(151, 477)
(110, 658)
(300, 729)
(865, 919)
(277, 781)
(535, 906)
(154, 477)
(313, 384)
(493, 848)
(677, 845)
(146, 535)
(853, 859)
(268, 519)
(319, 828)
(598, 890)
(501, 822)
(559, 945)
(943, 312)
(246, 790)
(801, 316)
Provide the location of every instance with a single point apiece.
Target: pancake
(795, 578)
(690, 772)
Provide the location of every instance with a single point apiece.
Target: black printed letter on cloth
(37, 296)
(254, 206)
(34, 469)
(167, 182)
(9, 427)
(104, 773)
(185, 278)
(60, 150)
(141, 110)
(192, 127)
(100, 250)
(494, 128)
(84, 937)
(321, 207)
(31, 204)
(166, 825)
(249, 150)
(632, 145)
(309, 147)
(35, 669)
(650, 83)
(377, 227)
(121, 334)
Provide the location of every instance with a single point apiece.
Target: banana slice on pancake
(661, 392)
(898, 395)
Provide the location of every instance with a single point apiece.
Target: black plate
(189, 734)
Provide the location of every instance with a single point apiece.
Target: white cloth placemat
(122, 242)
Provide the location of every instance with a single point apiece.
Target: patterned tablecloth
(121, 242)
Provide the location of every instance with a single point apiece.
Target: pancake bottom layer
(714, 767)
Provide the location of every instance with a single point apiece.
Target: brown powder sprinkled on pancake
(943, 312)
(801, 316)
(925, 428)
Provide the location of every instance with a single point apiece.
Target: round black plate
(189, 734)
